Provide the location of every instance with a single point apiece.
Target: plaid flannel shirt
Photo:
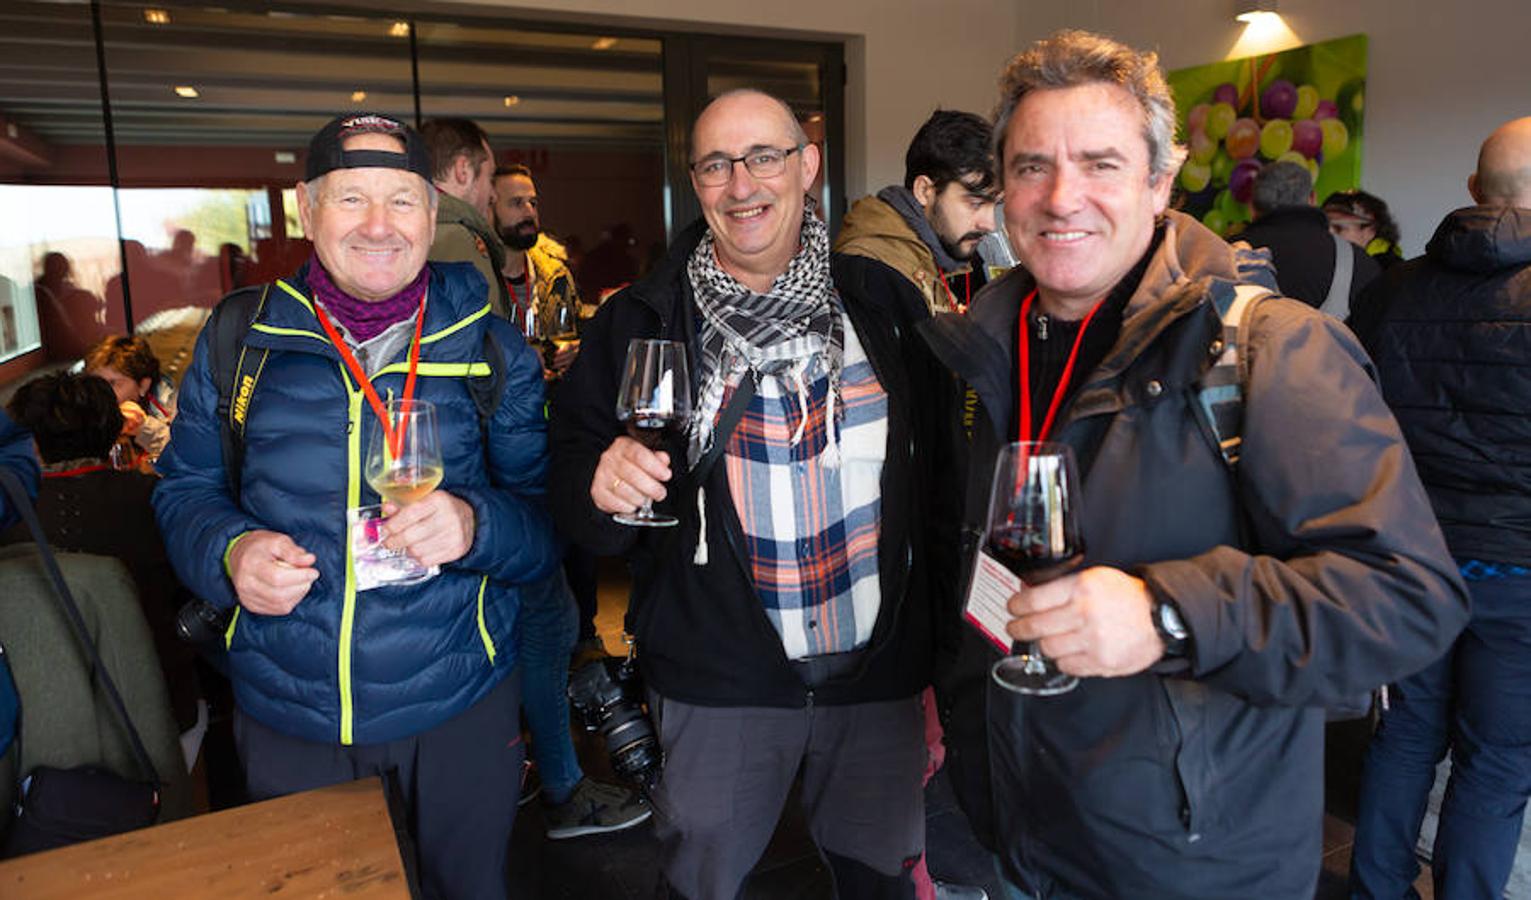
(811, 531)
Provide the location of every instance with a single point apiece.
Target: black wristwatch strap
(1171, 628)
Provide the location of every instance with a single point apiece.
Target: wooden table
(336, 842)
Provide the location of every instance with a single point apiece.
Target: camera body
(608, 695)
(202, 624)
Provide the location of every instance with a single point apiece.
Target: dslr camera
(608, 695)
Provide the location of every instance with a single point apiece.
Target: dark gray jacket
(1312, 572)
(1451, 334)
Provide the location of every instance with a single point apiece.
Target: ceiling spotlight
(157, 16)
(398, 29)
(187, 91)
(603, 43)
(1253, 10)
(512, 100)
(358, 96)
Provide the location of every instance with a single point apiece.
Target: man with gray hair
(787, 624)
(1255, 542)
(1451, 336)
(372, 601)
(1312, 265)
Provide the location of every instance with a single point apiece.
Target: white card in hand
(988, 603)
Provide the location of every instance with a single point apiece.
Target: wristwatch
(1171, 628)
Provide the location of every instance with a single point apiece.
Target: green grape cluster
(1290, 123)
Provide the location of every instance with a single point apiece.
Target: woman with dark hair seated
(87, 507)
(146, 399)
(1364, 220)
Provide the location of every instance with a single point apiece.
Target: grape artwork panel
(1304, 105)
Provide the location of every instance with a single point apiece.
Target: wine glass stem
(647, 510)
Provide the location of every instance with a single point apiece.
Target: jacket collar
(451, 210)
(1483, 239)
(901, 200)
(287, 320)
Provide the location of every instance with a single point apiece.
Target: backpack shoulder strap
(235, 371)
(1337, 303)
(488, 389)
(1220, 398)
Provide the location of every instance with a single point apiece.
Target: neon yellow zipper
(353, 500)
(483, 629)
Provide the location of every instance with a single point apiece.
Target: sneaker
(946, 891)
(531, 783)
(595, 808)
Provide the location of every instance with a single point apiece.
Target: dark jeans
(460, 782)
(544, 637)
(1476, 701)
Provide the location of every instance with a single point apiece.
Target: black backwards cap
(326, 153)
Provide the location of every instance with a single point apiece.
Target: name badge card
(989, 594)
(374, 564)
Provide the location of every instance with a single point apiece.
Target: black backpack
(236, 370)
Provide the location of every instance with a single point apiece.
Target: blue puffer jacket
(17, 456)
(391, 662)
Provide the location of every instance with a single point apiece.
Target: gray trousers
(728, 771)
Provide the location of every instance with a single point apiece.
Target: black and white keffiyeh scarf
(793, 333)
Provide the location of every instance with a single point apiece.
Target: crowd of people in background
(1281, 514)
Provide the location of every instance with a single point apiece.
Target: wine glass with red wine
(654, 402)
(1033, 529)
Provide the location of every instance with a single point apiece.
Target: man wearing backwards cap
(335, 676)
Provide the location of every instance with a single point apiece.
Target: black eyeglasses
(762, 162)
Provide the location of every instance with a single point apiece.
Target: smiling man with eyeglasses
(784, 627)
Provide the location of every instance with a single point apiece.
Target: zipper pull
(1042, 327)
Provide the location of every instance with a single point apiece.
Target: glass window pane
(584, 112)
(213, 110)
(58, 233)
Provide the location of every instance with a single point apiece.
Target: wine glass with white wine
(403, 461)
(560, 332)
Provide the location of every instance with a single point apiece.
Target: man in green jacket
(929, 228)
(464, 171)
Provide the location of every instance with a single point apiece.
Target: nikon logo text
(242, 400)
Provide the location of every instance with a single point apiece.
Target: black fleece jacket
(703, 634)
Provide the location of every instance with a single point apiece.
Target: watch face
(1169, 620)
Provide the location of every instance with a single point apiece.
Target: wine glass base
(1032, 675)
(655, 520)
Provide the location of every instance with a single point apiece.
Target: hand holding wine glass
(403, 464)
(1033, 530)
(654, 403)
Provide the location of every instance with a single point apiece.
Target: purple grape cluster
(1291, 123)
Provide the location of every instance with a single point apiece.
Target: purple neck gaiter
(365, 319)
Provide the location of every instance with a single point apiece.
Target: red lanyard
(967, 289)
(395, 441)
(159, 406)
(1023, 354)
(529, 288)
(82, 470)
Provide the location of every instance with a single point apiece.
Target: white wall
(905, 57)
(1440, 76)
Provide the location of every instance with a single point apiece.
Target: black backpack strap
(728, 420)
(488, 389)
(235, 371)
(11, 485)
